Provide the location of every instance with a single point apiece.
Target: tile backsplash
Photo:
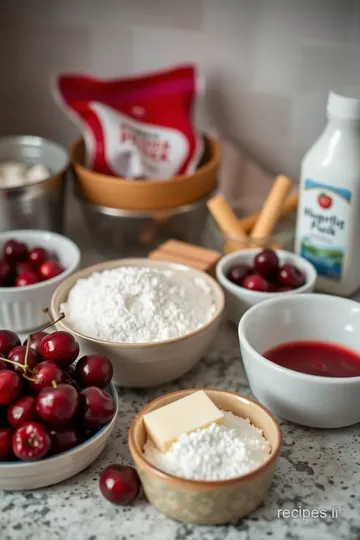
(268, 64)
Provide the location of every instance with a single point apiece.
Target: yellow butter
(195, 411)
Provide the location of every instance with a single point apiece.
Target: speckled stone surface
(317, 470)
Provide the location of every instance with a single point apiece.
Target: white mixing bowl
(309, 400)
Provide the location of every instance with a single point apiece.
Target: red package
(136, 127)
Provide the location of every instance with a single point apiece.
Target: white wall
(269, 63)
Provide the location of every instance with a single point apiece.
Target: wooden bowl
(207, 503)
(124, 194)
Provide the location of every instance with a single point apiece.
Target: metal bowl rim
(115, 212)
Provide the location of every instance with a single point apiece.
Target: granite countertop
(317, 470)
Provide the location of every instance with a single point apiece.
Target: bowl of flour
(153, 319)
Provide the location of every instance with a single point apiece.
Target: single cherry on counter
(316, 358)
(119, 484)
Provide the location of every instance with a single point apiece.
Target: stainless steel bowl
(39, 205)
(126, 233)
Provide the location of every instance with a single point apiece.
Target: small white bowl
(144, 365)
(21, 308)
(309, 400)
(21, 475)
(239, 300)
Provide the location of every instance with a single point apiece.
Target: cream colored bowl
(207, 503)
(142, 365)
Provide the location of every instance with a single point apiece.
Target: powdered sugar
(138, 304)
(215, 453)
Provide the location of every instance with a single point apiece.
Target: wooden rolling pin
(272, 208)
(290, 205)
(228, 224)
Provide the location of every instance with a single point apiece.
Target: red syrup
(316, 358)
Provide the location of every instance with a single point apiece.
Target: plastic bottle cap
(346, 107)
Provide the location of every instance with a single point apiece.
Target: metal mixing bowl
(126, 233)
(39, 205)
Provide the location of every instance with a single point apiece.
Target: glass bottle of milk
(328, 221)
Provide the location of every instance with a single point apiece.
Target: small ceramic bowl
(239, 300)
(142, 365)
(207, 503)
(21, 308)
(309, 400)
(21, 475)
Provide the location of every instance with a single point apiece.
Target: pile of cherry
(266, 274)
(47, 405)
(21, 266)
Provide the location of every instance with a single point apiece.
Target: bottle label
(324, 217)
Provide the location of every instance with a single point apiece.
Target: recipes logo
(308, 513)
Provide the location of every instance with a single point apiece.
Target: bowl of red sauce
(301, 354)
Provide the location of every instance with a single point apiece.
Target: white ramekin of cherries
(32, 265)
(251, 276)
(21, 265)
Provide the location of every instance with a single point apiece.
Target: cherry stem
(27, 352)
(52, 322)
(30, 378)
(54, 384)
(22, 366)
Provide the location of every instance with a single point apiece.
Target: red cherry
(94, 370)
(119, 484)
(18, 354)
(57, 405)
(254, 282)
(266, 263)
(23, 267)
(25, 279)
(8, 340)
(63, 438)
(237, 273)
(31, 441)
(98, 406)
(23, 410)
(35, 341)
(37, 256)
(50, 269)
(290, 276)
(15, 251)
(284, 289)
(11, 386)
(44, 375)
(6, 435)
(6, 274)
(59, 347)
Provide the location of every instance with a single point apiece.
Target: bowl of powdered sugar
(212, 475)
(153, 319)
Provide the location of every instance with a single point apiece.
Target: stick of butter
(190, 413)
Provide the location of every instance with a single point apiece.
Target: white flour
(215, 453)
(138, 304)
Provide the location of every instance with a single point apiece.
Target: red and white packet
(136, 127)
